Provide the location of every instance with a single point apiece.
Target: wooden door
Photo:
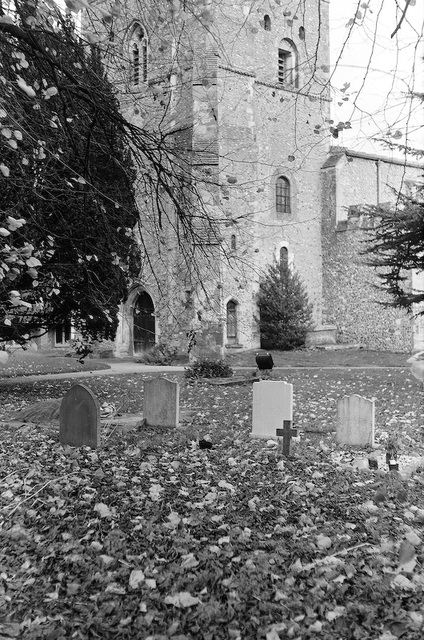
(144, 323)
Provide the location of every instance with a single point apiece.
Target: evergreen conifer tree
(285, 311)
(396, 246)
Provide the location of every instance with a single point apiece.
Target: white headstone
(161, 402)
(272, 406)
(355, 420)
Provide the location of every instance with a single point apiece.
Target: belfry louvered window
(138, 54)
(288, 65)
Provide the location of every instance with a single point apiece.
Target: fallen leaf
(114, 587)
(335, 613)
(183, 599)
(10, 629)
(136, 578)
(323, 542)
(189, 561)
(103, 510)
(403, 582)
(406, 558)
(226, 485)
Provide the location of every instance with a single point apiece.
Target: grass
(30, 363)
(323, 358)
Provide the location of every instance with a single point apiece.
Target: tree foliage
(285, 311)
(397, 246)
(67, 199)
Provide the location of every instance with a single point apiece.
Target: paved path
(119, 367)
(116, 368)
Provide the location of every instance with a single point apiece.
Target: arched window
(232, 322)
(282, 195)
(267, 23)
(138, 56)
(233, 243)
(288, 64)
(284, 257)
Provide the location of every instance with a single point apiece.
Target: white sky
(394, 66)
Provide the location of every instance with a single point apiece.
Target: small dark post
(287, 433)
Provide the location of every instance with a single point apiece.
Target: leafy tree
(67, 198)
(285, 312)
(397, 246)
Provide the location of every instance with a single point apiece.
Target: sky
(380, 70)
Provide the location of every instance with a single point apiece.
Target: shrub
(208, 368)
(285, 311)
(161, 354)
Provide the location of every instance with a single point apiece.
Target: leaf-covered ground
(153, 537)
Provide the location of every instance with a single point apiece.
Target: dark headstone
(161, 402)
(287, 433)
(80, 418)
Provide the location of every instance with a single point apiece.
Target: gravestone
(355, 420)
(287, 433)
(79, 418)
(272, 408)
(161, 403)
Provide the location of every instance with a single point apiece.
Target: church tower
(241, 90)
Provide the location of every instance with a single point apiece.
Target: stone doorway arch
(144, 332)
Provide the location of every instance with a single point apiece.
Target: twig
(39, 490)
(112, 432)
(8, 475)
(402, 18)
(334, 555)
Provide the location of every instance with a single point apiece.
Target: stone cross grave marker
(161, 403)
(272, 413)
(79, 418)
(287, 434)
(355, 420)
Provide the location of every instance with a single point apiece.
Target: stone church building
(244, 89)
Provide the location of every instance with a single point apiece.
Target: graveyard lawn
(30, 363)
(151, 536)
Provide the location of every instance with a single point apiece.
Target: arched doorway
(144, 323)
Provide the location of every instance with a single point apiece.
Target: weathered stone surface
(80, 418)
(322, 335)
(355, 420)
(161, 402)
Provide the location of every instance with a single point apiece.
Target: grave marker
(355, 420)
(287, 433)
(272, 408)
(161, 402)
(79, 418)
